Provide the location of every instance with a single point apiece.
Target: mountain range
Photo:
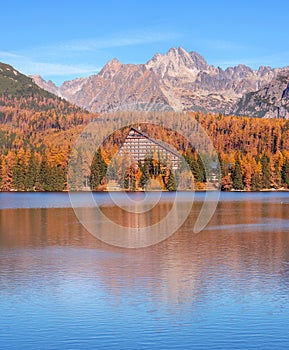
(179, 80)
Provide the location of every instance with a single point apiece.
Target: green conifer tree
(18, 175)
(196, 165)
(98, 170)
(256, 182)
(145, 176)
(202, 172)
(31, 173)
(0, 172)
(285, 173)
(57, 179)
(43, 176)
(75, 175)
(237, 177)
(171, 183)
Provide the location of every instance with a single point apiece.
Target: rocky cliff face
(117, 87)
(46, 85)
(179, 80)
(271, 101)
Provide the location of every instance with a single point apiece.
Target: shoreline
(154, 191)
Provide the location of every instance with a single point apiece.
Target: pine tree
(112, 170)
(237, 178)
(98, 170)
(75, 178)
(148, 162)
(1, 168)
(202, 171)
(171, 183)
(31, 173)
(43, 178)
(196, 169)
(57, 179)
(265, 162)
(285, 173)
(130, 178)
(196, 165)
(7, 171)
(145, 176)
(256, 182)
(256, 178)
(18, 175)
(223, 168)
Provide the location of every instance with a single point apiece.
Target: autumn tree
(256, 179)
(7, 172)
(265, 163)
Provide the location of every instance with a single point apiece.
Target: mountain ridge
(16, 84)
(271, 101)
(20, 91)
(177, 80)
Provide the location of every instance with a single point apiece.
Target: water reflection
(234, 248)
(226, 287)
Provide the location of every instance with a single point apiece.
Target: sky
(63, 40)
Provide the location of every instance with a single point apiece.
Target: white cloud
(29, 66)
(88, 47)
(8, 55)
(57, 69)
(115, 41)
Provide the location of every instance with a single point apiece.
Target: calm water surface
(224, 288)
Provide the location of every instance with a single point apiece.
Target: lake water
(226, 287)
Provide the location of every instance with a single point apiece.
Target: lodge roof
(157, 142)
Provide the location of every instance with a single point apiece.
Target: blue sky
(62, 40)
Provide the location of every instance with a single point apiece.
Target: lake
(226, 287)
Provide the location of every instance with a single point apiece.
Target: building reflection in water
(245, 241)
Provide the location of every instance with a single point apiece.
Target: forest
(37, 134)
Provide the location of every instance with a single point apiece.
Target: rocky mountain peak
(46, 85)
(113, 63)
(176, 62)
(111, 66)
(177, 51)
(38, 79)
(199, 61)
(110, 69)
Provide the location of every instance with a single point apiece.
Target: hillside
(37, 129)
(20, 91)
(17, 84)
(177, 80)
